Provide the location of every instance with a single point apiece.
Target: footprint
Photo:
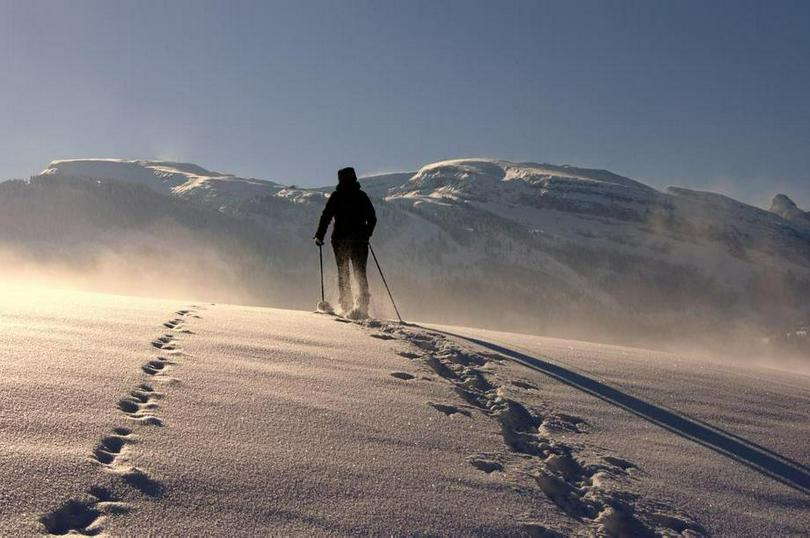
(141, 481)
(154, 367)
(561, 422)
(486, 464)
(566, 466)
(140, 399)
(441, 369)
(405, 376)
(408, 355)
(142, 396)
(465, 359)
(83, 516)
(564, 495)
(619, 462)
(146, 387)
(382, 336)
(423, 342)
(73, 516)
(109, 449)
(524, 385)
(128, 406)
(138, 405)
(164, 342)
(149, 420)
(173, 324)
(107, 501)
(449, 410)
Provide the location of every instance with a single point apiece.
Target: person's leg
(359, 262)
(342, 257)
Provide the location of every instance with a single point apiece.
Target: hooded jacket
(352, 210)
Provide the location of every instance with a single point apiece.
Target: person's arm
(326, 217)
(371, 218)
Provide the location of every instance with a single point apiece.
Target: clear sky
(707, 94)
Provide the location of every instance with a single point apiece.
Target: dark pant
(356, 253)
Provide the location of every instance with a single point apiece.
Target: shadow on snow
(740, 450)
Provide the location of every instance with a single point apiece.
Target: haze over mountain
(533, 247)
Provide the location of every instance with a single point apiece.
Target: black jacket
(353, 213)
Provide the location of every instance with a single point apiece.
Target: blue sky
(710, 95)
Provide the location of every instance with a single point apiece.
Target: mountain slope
(126, 237)
(534, 247)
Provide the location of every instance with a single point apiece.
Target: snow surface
(146, 417)
(728, 443)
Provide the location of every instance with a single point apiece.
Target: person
(355, 220)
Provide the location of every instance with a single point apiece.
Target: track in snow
(596, 492)
(86, 515)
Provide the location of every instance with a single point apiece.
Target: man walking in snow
(354, 223)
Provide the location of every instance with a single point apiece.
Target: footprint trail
(593, 488)
(85, 515)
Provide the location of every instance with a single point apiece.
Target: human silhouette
(354, 223)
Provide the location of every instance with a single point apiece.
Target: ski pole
(320, 255)
(384, 282)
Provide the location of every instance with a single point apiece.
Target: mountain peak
(786, 208)
(507, 184)
(167, 177)
(782, 202)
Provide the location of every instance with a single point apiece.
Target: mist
(678, 275)
(188, 269)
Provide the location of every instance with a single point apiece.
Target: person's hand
(319, 242)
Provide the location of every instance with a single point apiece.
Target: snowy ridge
(491, 180)
(182, 179)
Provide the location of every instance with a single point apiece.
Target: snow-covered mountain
(181, 179)
(787, 209)
(528, 246)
